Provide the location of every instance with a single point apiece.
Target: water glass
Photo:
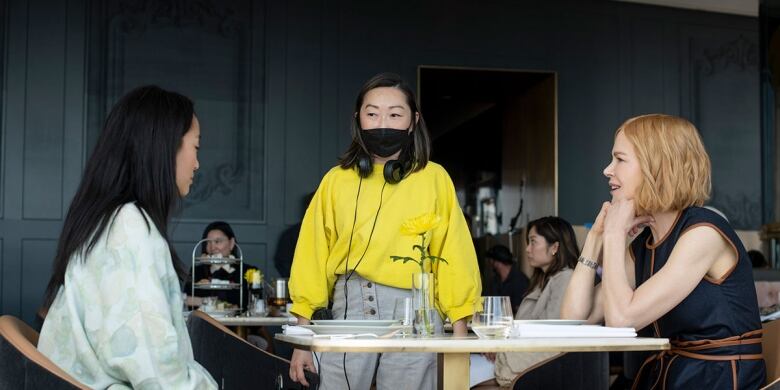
(256, 305)
(404, 312)
(492, 318)
(209, 304)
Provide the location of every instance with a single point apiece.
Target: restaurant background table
(242, 323)
(453, 352)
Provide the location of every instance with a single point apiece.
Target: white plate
(217, 286)
(345, 329)
(357, 322)
(220, 313)
(551, 322)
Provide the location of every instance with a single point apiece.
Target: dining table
(453, 352)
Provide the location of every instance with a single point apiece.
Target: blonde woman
(685, 276)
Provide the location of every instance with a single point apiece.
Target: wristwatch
(588, 263)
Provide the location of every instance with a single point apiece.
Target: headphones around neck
(394, 172)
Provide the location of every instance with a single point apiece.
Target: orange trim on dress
(661, 241)
(725, 276)
(685, 348)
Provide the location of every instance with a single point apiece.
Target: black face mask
(384, 142)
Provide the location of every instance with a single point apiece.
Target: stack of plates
(377, 327)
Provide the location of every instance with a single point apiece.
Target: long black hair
(553, 229)
(417, 154)
(225, 228)
(134, 161)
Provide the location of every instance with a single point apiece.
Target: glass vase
(423, 285)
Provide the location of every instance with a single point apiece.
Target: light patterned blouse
(117, 321)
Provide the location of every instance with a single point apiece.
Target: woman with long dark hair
(114, 299)
(552, 251)
(551, 248)
(352, 228)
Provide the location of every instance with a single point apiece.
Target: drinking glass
(256, 305)
(492, 318)
(404, 312)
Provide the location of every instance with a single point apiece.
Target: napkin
(481, 369)
(544, 330)
(771, 316)
(292, 330)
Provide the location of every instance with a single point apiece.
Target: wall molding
(716, 57)
(226, 90)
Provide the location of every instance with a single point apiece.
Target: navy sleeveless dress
(715, 331)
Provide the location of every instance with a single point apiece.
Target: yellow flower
(253, 276)
(420, 224)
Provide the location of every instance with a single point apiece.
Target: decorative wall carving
(136, 16)
(221, 179)
(741, 52)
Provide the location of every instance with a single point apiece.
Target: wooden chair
(23, 366)
(771, 348)
(235, 363)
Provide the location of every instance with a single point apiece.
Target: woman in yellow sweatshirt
(352, 227)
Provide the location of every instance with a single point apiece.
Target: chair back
(584, 370)
(24, 367)
(234, 362)
(770, 345)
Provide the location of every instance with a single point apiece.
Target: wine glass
(492, 318)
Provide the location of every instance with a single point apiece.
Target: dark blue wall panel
(274, 84)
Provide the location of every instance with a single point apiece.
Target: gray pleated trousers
(396, 371)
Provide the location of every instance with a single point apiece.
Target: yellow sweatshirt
(321, 252)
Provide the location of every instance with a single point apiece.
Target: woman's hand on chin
(598, 225)
(621, 218)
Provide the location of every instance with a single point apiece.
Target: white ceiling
(737, 7)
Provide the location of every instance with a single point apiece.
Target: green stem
(427, 322)
(425, 317)
(422, 252)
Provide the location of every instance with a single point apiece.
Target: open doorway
(495, 131)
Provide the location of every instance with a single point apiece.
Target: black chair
(573, 370)
(235, 363)
(23, 366)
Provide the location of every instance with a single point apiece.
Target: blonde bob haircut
(675, 167)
